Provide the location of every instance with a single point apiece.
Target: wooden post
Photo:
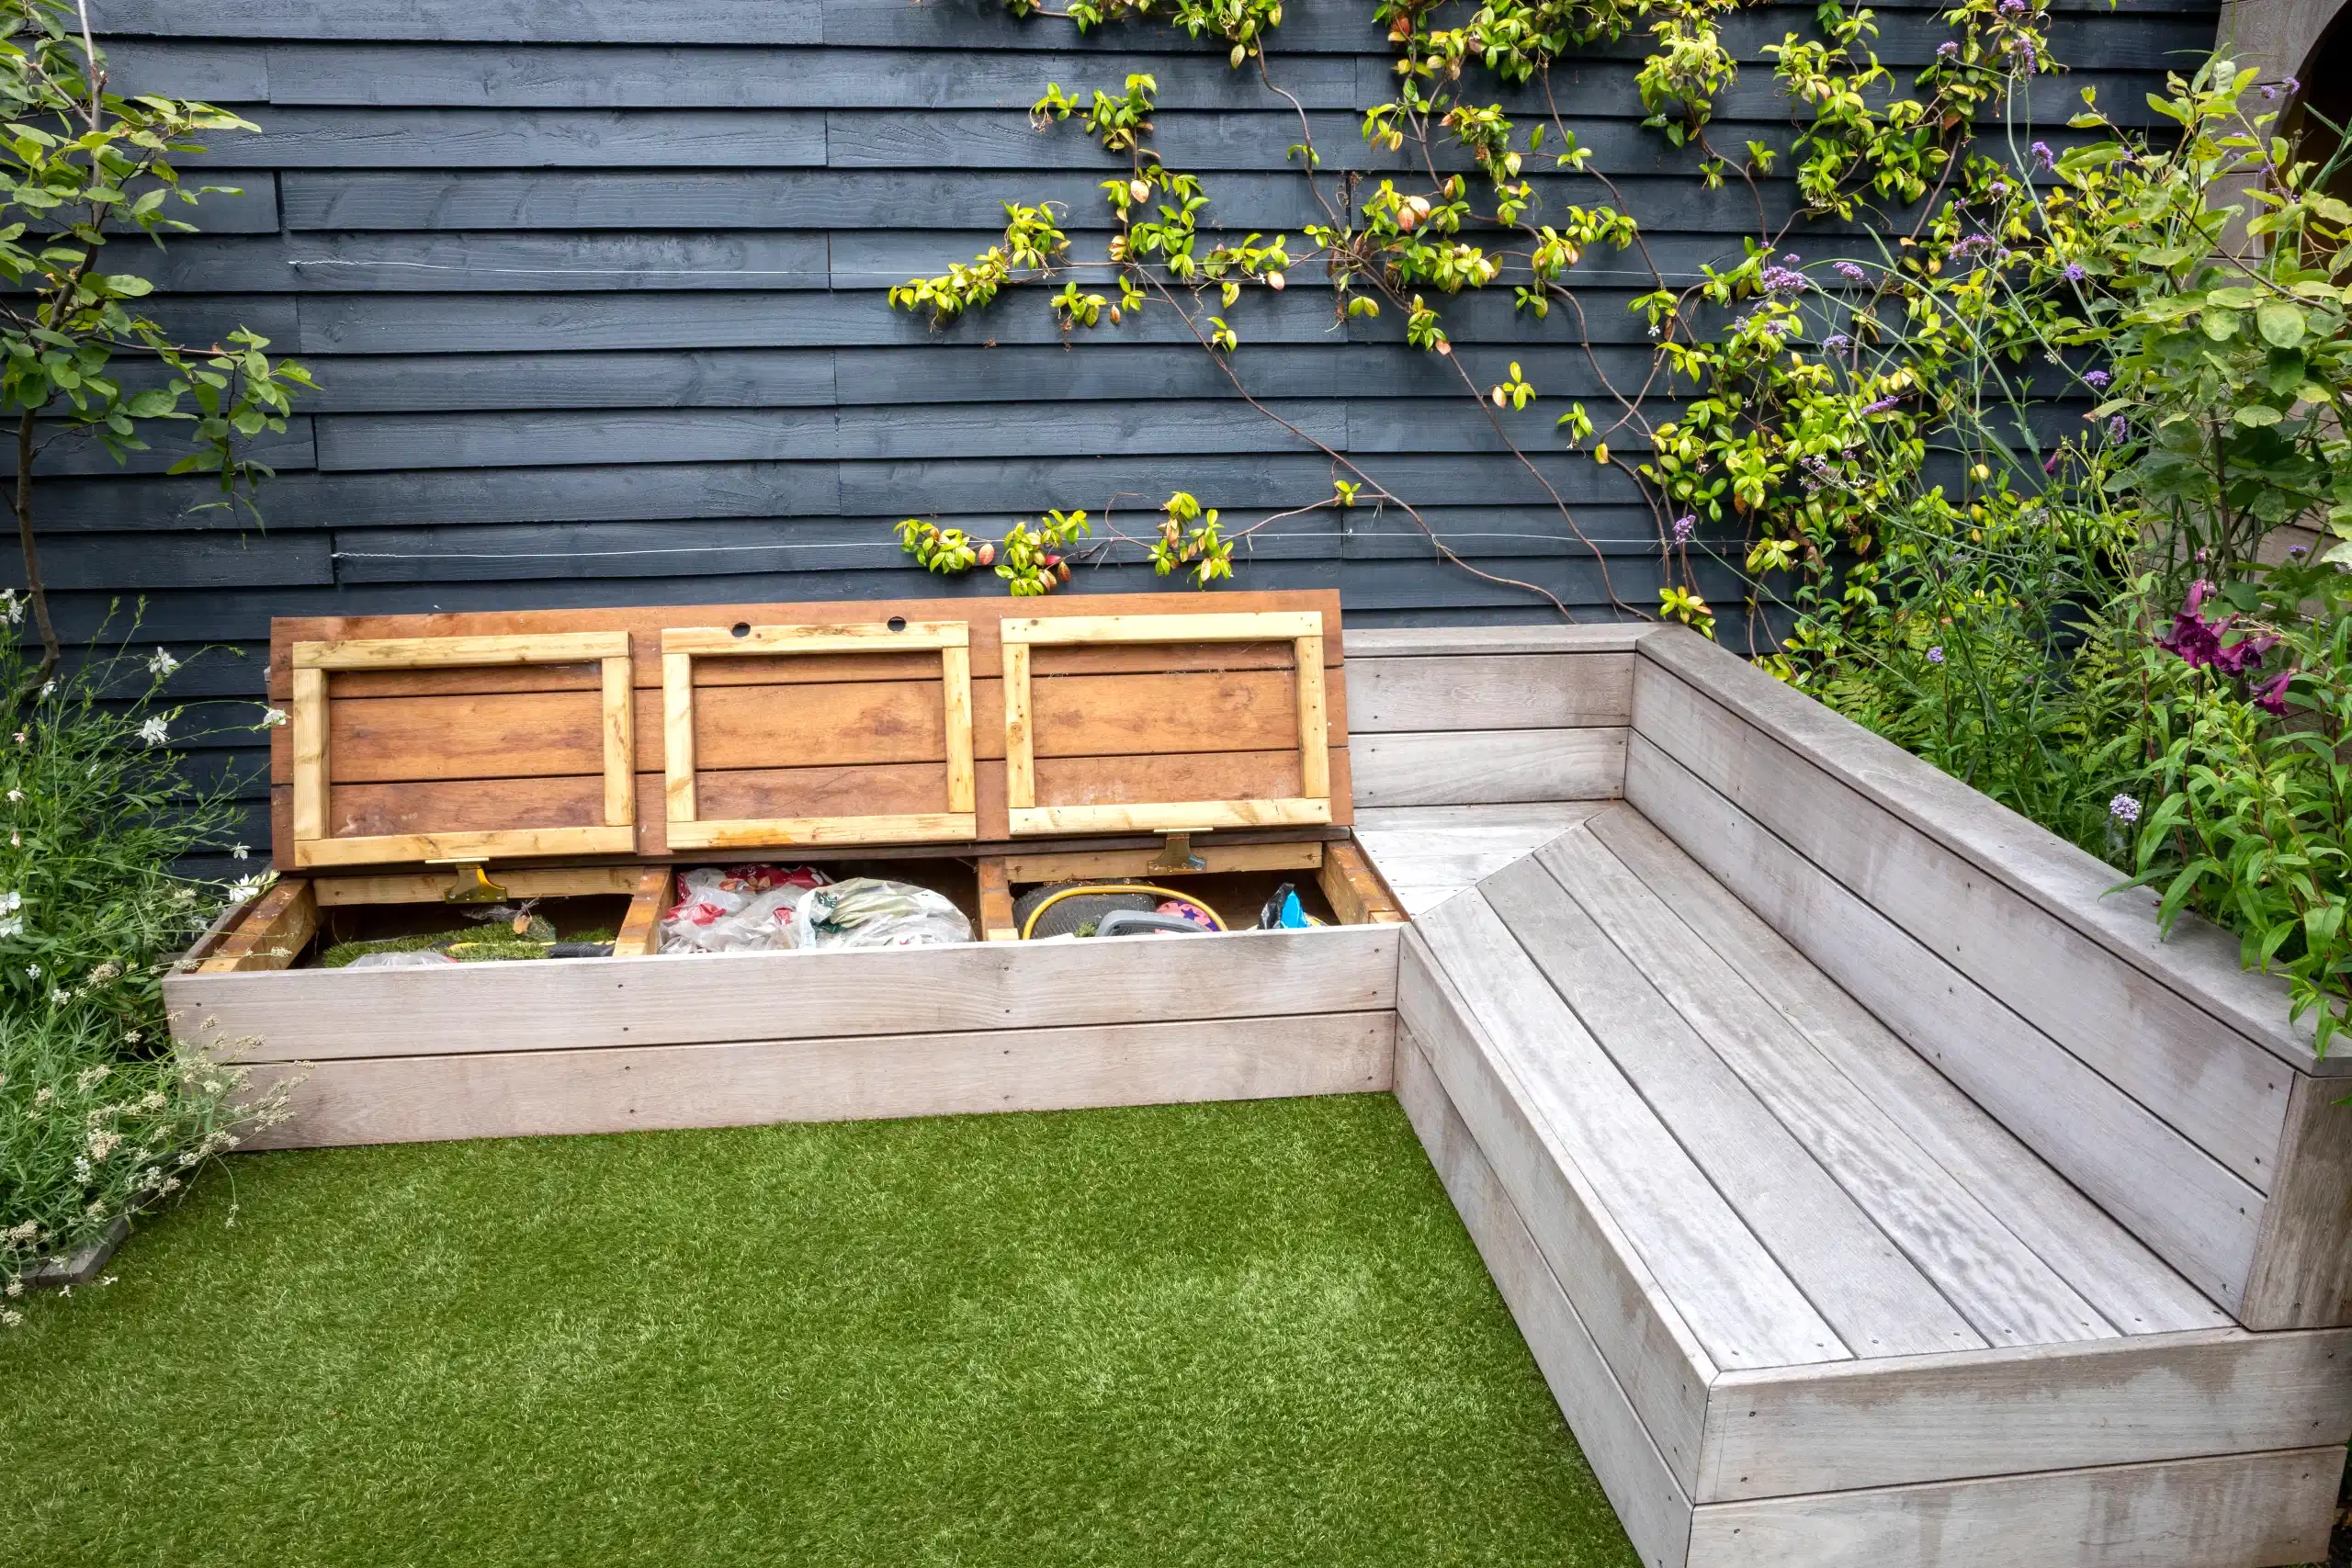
(997, 922)
(1355, 890)
(277, 927)
(641, 933)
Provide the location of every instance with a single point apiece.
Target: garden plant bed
(1870, 1185)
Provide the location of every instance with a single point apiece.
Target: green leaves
(2281, 324)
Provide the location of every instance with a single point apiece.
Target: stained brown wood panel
(808, 736)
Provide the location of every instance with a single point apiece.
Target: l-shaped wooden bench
(1873, 1187)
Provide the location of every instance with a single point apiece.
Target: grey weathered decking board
(2131, 1286)
(1738, 1299)
(2159, 1074)
(1877, 1300)
(1990, 1275)
(2193, 1211)
(1650, 1503)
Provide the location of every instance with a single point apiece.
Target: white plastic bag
(866, 911)
(742, 908)
(423, 958)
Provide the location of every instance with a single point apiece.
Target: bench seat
(1804, 1301)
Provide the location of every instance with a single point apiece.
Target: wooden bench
(1871, 1188)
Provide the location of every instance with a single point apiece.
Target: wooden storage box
(583, 758)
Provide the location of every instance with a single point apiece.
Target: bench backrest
(2159, 1077)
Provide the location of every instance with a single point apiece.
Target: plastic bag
(742, 908)
(866, 911)
(421, 958)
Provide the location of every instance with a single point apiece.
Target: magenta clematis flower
(2271, 696)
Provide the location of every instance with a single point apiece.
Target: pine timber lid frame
(1303, 629)
(312, 662)
(681, 645)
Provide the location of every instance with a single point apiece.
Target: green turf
(1218, 1335)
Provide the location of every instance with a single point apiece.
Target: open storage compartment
(578, 761)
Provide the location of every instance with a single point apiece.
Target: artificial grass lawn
(1221, 1334)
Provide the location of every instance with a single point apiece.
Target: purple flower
(1837, 342)
(2051, 466)
(1947, 50)
(1935, 654)
(2269, 93)
(2271, 695)
(1883, 405)
(1684, 526)
(2293, 87)
(2000, 188)
(2099, 379)
(2075, 272)
(2199, 644)
(1849, 272)
(2124, 808)
(2043, 156)
(2296, 549)
(1785, 280)
(2013, 8)
(2117, 428)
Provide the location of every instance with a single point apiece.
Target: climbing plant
(1809, 400)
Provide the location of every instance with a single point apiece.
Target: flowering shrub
(2250, 815)
(100, 1114)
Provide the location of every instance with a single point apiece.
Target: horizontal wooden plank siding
(594, 299)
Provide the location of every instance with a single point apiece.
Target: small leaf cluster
(1190, 539)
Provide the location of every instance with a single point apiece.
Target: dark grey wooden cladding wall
(594, 296)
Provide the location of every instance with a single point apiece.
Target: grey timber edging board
(535, 1093)
(1642, 1340)
(1891, 1422)
(1487, 766)
(2236, 1511)
(1650, 1503)
(2073, 889)
(318, 1015)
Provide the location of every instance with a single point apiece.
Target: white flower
(246, 887)
(271, 718)
(110, 1278)
(11, 925)
(238, 851)
(11, 1319)
(15, 796)
(12, 604)
(156, 730)
(32, 971)
(60, 996)
(47, 687)
(12, 901)
(162, 664)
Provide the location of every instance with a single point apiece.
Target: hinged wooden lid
(653, 733)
